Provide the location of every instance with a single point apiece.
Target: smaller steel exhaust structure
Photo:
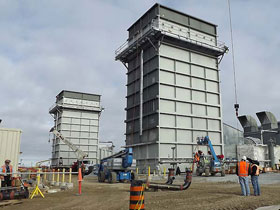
(169, 184)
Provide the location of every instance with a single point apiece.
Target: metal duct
(250, 140)
(248, 123)
(268, 120)
(271, 152)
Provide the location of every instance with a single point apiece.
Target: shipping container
(10, 146)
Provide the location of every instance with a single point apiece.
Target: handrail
(173, 30)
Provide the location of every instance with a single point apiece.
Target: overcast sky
(47, 46)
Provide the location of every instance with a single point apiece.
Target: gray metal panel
(201, 26)
(186, 20)
(143, 21)
(78, 95)
(173, 16)
(232, 138)
(186, 96)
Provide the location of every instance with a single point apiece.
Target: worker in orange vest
(6, 174)
(196, 157)
(243, 170)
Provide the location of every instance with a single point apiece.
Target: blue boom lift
(209, 163)
(117, 167)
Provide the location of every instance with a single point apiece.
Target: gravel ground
(204, 193)
(267, 178)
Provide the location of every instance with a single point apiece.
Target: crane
(117, 167)
(81, 155)
(38, 164)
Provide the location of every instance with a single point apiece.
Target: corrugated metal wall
(232, 138)
(81, 128)
(189, 101)
(10, 146)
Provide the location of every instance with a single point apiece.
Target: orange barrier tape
(136, 206)
(139, 188)
(136, 198)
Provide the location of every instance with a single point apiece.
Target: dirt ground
(200, 195)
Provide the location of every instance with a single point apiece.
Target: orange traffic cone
(80, 179)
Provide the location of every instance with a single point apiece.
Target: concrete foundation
(57, 184)
(62, 184)
(69, 185)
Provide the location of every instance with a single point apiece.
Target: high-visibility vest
(243, 168)
(257, 171)
(196, 157)
(3, 171)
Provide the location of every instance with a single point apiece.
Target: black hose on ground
(174, 187)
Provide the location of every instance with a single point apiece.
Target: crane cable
(236, 105)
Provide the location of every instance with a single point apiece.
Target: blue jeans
(244, 183)
(255, 183)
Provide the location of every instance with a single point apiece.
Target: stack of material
(255, 152)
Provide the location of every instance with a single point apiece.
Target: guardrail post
(57, 178)
(38, 179)
(45, 176)
(70, 184)
(70, 175)
(63, 184)
(52, 182)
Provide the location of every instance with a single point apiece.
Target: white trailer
(10, 146)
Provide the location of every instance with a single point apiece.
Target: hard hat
(244, 158)
(7, 161)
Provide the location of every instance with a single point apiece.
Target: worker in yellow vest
(242, 171)
(6, 172)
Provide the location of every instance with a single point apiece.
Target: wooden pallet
(9, 202)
